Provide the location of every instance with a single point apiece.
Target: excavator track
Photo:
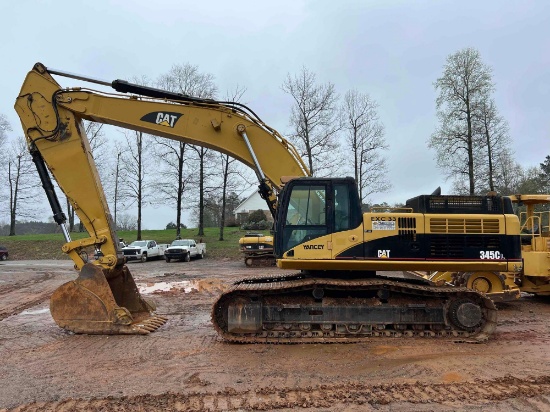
(301, 309)
(264, 260)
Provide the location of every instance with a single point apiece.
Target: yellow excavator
(349, 277)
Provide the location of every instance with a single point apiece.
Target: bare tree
(134, 176)
(364, 138)
(176, 176)
(464, 86)
(98, 142)
(133, 168)
(21, 182)
(4, 129)
(202, 157)
(314, 120)
(495, 138)
(187, 79)
(509, 174)
(234, 181)
(230, 167)
(117, 175)
(127, 222)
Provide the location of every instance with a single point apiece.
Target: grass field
(48, 246)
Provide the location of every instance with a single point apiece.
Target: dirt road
(185, 366)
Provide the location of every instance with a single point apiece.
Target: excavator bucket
(95, 304)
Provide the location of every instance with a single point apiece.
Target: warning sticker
(383, 225)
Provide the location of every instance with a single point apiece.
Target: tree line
(336, 134)
(138, 169)
(472, 141)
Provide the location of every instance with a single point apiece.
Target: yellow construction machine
(340, 288)
(535, 244)
(257, 249)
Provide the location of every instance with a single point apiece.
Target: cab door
(306, 219)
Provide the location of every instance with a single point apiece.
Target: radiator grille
(465, 226)
(407, 228)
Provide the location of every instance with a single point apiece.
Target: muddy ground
(185, 366)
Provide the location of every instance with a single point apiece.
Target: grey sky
(393, 50)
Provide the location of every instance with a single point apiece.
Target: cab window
(342, 208)
(306, 215)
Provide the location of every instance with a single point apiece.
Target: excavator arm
(105, 299)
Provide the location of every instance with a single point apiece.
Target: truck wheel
(187, 258)
(4, 257)
(200, 255)
(143, 257)
(167, 259)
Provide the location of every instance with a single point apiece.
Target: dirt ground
(185, 366)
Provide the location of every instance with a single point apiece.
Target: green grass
(48, 246)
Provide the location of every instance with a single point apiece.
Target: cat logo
(384, 254)
(167, 119)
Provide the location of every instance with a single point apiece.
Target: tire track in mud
(17, 297)
(321, 396)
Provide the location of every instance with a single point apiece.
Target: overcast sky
(392, 50)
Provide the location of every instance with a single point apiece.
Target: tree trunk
(180, 190)
(14, 194)
(224, 195)
(470, 151)
(490, 155)
(70, 213)
(201, 193)
(116, 186)
(140, 185)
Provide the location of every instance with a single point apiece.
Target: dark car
(3, 253)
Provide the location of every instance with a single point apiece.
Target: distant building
(250, 204)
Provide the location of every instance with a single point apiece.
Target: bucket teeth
(138, 330)
(151, 324)
(157, 322)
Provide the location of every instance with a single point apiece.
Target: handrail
(383, 209)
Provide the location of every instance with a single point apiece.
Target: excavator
(346, 273)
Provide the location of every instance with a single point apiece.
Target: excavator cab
(313, 207)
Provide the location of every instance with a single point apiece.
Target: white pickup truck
(144, 249)
(185, 249)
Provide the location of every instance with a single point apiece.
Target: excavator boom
(104, 298)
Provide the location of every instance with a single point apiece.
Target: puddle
(35, 312)
(186, 285)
